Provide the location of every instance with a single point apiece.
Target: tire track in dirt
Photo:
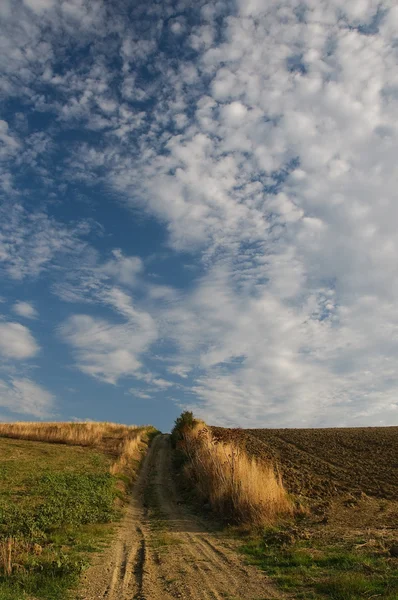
(162, 551)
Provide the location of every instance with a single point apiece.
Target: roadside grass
(59, 504)
(313, 570)
(56, 506)
(237, 487)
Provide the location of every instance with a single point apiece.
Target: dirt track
(166, 552)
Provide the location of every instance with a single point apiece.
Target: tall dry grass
(128, 451)
(82, 434)
(236, 486)
(123, 442)
(6, 555)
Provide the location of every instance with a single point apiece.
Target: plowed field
(322, 463)
(344, 545)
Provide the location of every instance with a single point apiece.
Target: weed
(6, 555)
(165, 539)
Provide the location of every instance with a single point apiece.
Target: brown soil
(165, 552)
(325, 463)
(346, 478)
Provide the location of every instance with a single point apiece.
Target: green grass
(57, 503)
(312, 570)
(350, 586)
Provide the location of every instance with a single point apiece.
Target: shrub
(182, 425)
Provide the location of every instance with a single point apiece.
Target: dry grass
(235, 485)
(6, 555)
(129, 450)
(82, 434)
(122, 442)
(13, 554)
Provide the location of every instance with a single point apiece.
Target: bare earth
(325, 463)
(167, 552)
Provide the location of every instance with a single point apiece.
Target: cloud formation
(31, 242)
(109, 350)
(25, 309)
(16, 341)
(263, 137)
(23, 396)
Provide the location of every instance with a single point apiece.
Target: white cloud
(284, 180)
(234, 114)
(16, 341)
(92, 281)
(9, 144)
(123, 269)
(39, 5)
(267, 363)
(151, 379)
(270, 157)
(162, 383)
(32, 242)
(140, 394)
(106, 350)
(25, 309)
(23, 396)
(179, 370)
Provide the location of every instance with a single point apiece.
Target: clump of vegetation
(182, 425)
(237, 487)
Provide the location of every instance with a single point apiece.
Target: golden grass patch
(236, 485)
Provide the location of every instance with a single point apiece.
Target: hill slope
(58, 500)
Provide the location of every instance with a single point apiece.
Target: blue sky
(198, 210)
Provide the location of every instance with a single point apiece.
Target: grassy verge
(236, 486)
(314, 569)
(57, 505)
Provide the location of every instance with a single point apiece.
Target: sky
(198, 210)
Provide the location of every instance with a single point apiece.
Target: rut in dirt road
(166, 552)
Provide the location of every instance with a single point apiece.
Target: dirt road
(164, 552)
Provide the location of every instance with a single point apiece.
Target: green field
(57, 504)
